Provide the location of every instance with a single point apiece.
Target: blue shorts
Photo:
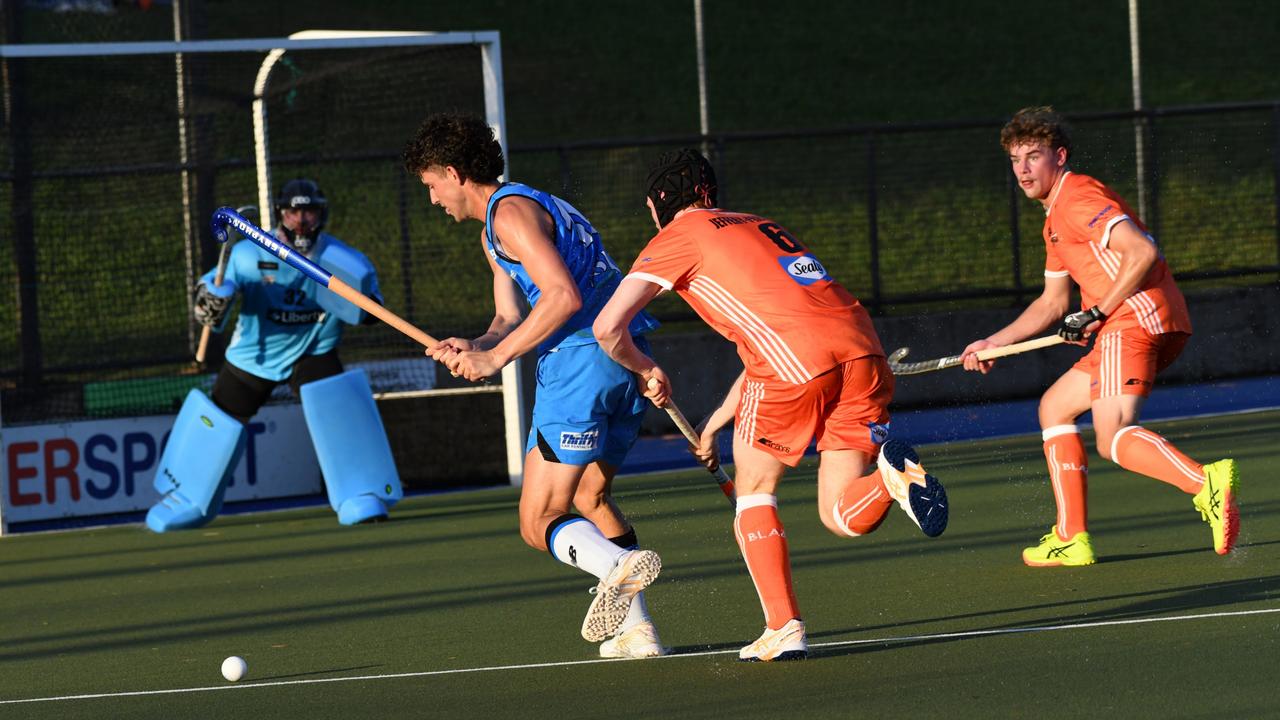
(587, 407)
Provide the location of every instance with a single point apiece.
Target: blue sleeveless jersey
(584, 255)
(280, 320)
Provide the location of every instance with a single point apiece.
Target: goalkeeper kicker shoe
(1053, 551)
(638, 641)
(633, 573)
(785, 643)
(1216, 502)
(918, 493)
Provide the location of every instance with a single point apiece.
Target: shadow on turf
(328, 671)
(1149, 604)
(44, 644)
(297, 525)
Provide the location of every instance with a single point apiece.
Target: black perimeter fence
(911, 218)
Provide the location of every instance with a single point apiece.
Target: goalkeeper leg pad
(203, 449)
(351, 444)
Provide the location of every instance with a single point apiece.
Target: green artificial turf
(444, 613)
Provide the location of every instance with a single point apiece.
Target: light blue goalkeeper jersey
(584, 255)
(280, 320)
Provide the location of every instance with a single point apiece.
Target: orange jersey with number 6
(756, 285)
(1077, 228)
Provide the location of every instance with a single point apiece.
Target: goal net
(118, 153)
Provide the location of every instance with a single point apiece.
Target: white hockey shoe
(633, 573)
(786, 643)
(638, 641)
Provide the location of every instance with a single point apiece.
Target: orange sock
(1142, 451)
(863, 505)
(764, 546)
(1069, 475)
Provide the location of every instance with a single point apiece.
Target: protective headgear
(301, 193)
(679, 179)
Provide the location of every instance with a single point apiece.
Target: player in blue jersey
(588, 409)
(287, 332)
(282, 333)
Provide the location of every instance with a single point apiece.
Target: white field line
(596, 661)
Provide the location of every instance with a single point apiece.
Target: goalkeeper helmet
(301, 193)
(680, 179)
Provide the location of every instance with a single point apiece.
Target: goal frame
(514, 406)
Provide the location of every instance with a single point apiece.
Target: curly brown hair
(1036, 125)
(465, 142)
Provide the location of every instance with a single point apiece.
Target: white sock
(579, 543)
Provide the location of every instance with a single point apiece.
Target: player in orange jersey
(1137, 318)
(813, 368)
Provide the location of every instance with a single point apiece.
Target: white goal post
(514, 409)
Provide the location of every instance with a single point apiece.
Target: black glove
(209, 307)
(1073, 325)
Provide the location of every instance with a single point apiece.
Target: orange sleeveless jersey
(756, 285)
(1077, 228)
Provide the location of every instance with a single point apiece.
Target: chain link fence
(910, 218)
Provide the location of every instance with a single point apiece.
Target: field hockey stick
(222, 217)
(722, 477)
(900, 368)
(203, 347)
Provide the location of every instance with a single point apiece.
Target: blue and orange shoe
(918, 493)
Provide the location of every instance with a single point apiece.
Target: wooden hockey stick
(717, 472)
(203, 347)
(900, 368)
(223, 217)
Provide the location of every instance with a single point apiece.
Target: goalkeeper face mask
(300, 227)
(302, 211)
(680, 179)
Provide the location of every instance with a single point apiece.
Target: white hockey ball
(234, 668)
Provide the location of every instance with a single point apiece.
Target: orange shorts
(846, 408)
(1125, 361)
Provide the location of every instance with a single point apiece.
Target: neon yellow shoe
(1054, 551)
(1216, 502)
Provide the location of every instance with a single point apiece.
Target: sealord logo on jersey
(804, 269)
